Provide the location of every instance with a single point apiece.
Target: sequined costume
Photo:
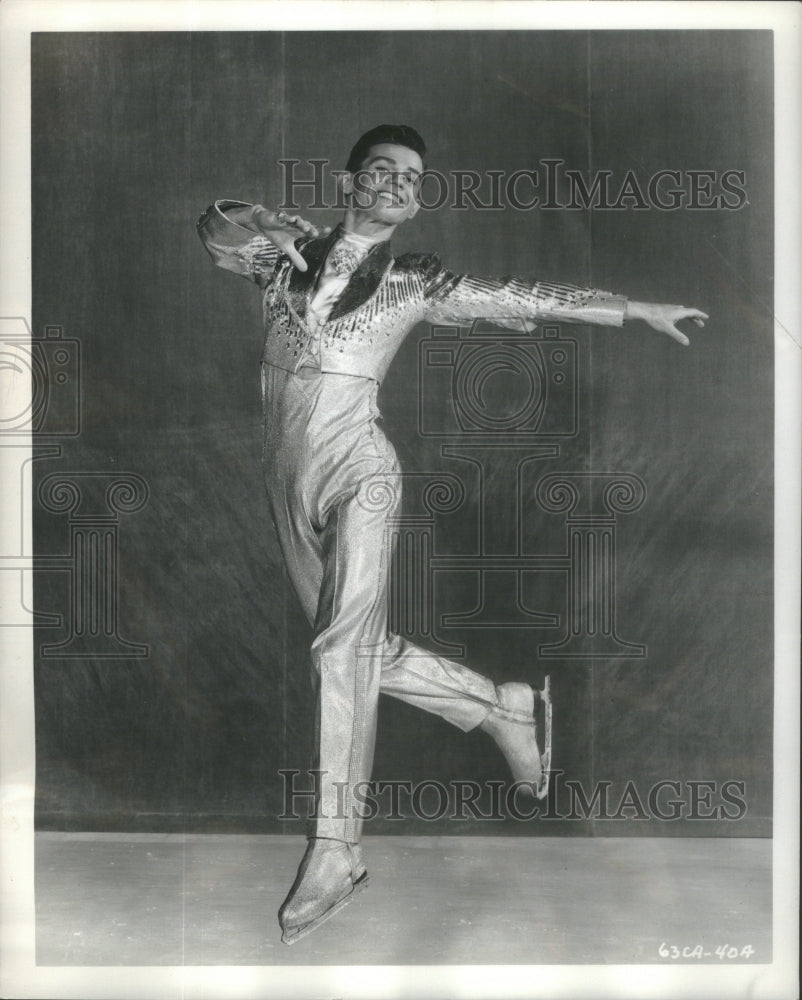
(332, 478)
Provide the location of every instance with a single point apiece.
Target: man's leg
(468, 700)
(341, 576)
(355, 659)
(347, 654)
(410, 673)
(443, 687)
(347, 661)
(340, 572)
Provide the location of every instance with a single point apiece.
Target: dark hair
(399, 135)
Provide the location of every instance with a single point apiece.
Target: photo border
(20, 977)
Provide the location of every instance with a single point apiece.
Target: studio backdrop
(592, 504)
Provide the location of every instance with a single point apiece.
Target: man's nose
(400, 182)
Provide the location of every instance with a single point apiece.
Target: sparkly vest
(384, 298)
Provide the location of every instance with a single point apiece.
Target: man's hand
(664, 318)
(283, 230)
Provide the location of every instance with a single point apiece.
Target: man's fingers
(279, 228)
(678, 335)
(302, 225)
(695, 314)
(296, 258)
(298, 223)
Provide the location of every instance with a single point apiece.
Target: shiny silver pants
(333, 482)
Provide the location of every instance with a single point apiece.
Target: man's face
(386, 187)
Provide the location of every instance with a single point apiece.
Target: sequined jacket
(384, 298)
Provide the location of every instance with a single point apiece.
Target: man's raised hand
(283, 230)
(664, 318)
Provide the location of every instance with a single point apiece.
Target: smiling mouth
(389, 199)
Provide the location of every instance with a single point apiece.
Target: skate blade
(545, 757)
(296, 933)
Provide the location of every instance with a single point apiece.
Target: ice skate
(329, 877)
(524, 740)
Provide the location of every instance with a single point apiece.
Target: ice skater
(337, 306)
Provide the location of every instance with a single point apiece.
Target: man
(337, 307)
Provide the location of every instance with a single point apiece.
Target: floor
(201, 899)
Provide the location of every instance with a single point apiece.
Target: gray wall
(133, 136)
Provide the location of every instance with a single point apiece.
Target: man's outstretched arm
(454, 298)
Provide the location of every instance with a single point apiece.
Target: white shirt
(330, 286)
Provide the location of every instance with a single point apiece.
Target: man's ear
(413, 208)
(346, 182)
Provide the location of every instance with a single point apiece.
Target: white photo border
(20, 977)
